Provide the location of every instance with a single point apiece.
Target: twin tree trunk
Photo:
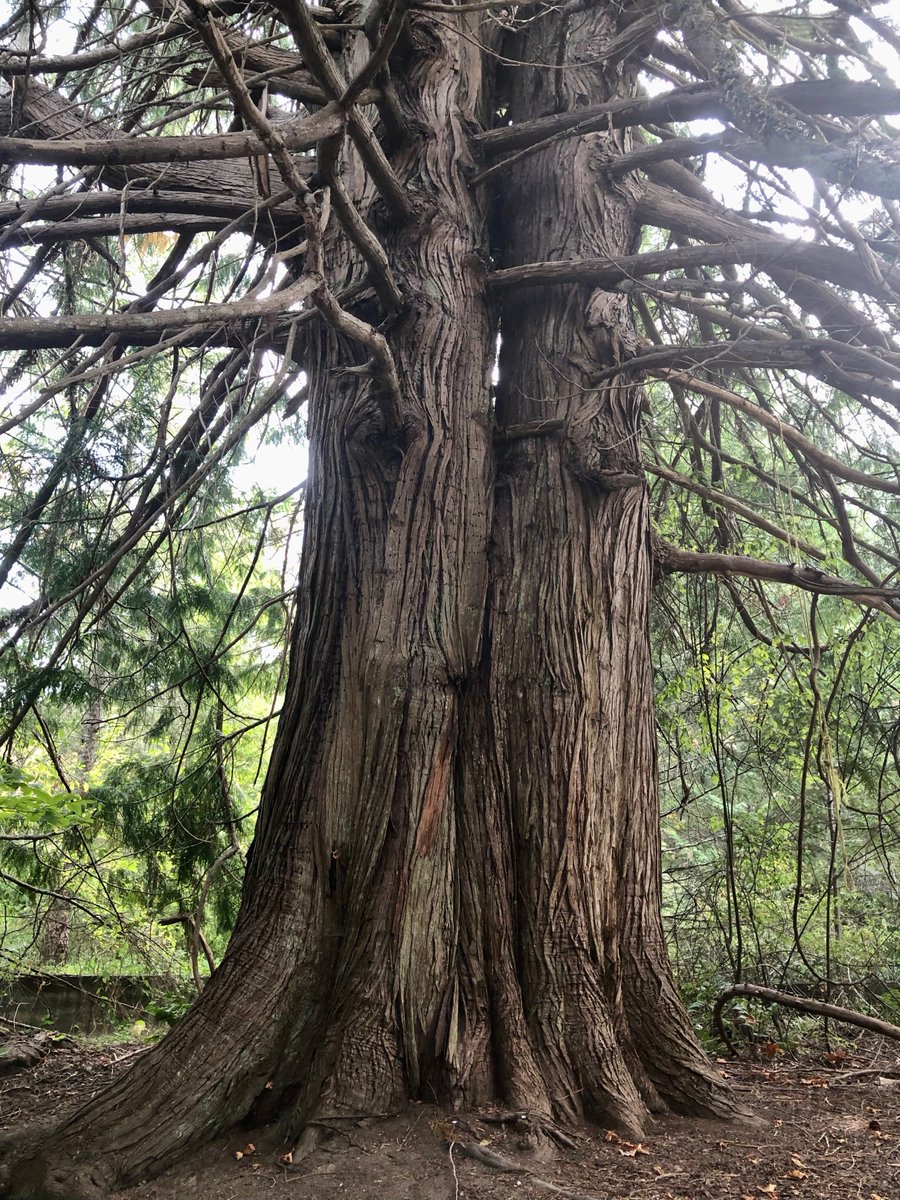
(454, 889)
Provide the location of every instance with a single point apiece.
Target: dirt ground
(821, 1130)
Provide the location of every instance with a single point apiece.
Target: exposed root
(38, 1176)
(21, 1051)
(847, 1077)
(499, 1162)
(307, 1143)
(524, 1120)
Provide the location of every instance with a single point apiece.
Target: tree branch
(309, 41)
(673, 559)
(801, 1004)
(39, 891)
(771, 251)
(607, 272)
(100, 227)
(835, 97)
(154, 202)
(781, 429)
(746, 244)
(849, 167)
(736, 506)
(64, 332)
(302, 134)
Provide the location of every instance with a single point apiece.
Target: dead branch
(62, 332)
(324, 69)
(302, 134)
(810, 579)
(800, 1004)
(843, 98)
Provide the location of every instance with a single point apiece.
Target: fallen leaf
(249, 1148)
(797, 1161)
(238, 1154)
(795, 1174)
(815, 1082)
(770, 1049)
(770, 1189)
(630, 1149)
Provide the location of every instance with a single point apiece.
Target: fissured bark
(454, 887)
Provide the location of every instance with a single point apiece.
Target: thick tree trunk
(453, 890)
(569, 675)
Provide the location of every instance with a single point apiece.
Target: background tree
(453, 886)
(133, 780)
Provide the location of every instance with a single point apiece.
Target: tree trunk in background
(454, 888)
(54, 939)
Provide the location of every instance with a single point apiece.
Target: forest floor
(821, 1131)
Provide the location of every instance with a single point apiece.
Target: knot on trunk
(600, 456)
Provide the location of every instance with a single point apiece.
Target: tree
(137, 768)
(453, 886)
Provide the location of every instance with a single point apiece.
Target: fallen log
(20, 1053)
(801, 1004)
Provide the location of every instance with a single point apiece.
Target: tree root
(508, 1166)
(848, 1077)
(34, 1176)
(454, 1132)
(308, 1142)
(533, 1122)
